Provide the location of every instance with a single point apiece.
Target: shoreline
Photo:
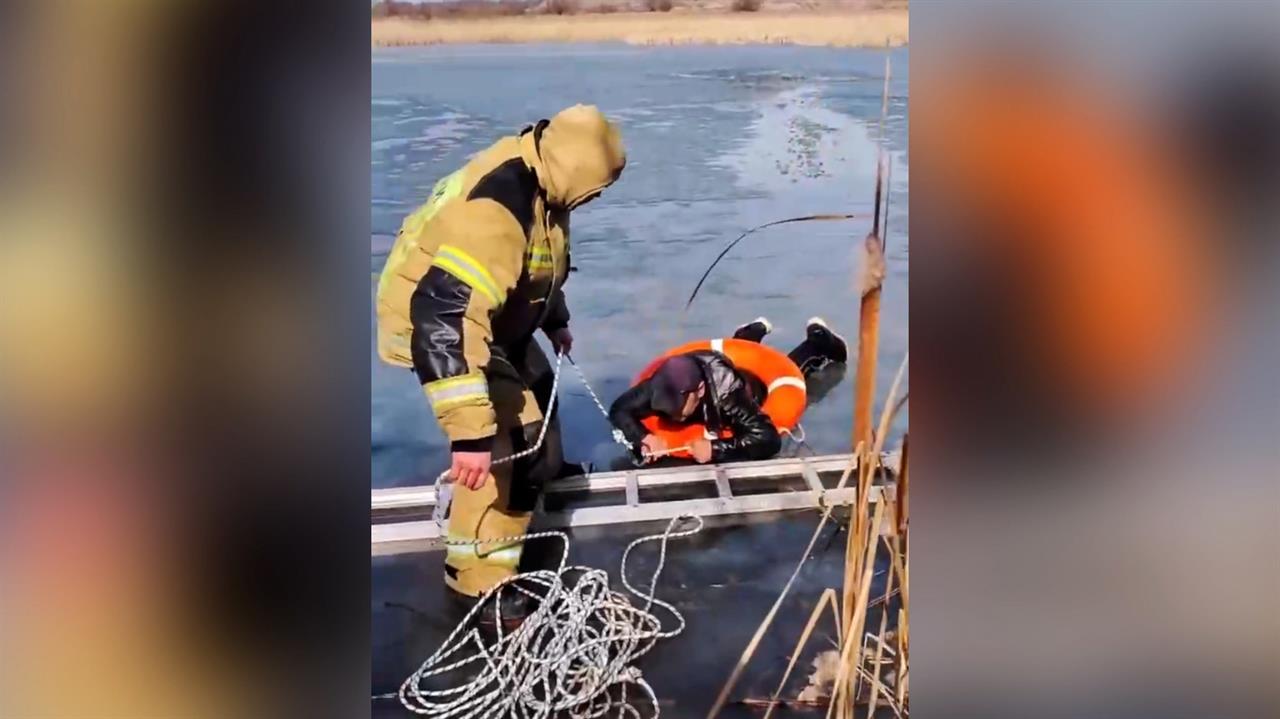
(867, 28)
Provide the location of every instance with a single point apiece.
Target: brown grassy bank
(834, 28)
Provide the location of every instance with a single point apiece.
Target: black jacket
(732, 402)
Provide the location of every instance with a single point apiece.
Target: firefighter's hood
(576, 155)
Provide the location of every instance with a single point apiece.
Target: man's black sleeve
(754, 436)
(628, 409)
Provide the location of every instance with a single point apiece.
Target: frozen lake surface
(718, 140)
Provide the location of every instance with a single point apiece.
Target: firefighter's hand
(701, 450)
(561, 340)
(470, 469)
(652, 447)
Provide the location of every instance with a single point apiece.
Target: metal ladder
(615, 497)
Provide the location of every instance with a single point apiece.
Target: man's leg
(503, 506)
(485, 513)
(821, 347)
(753, 331)
(549, 462)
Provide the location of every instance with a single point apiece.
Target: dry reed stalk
(858, 530)
(902, 666)
(828, 598)
(788, 703)
(869, 306)
(884, 625)
(859, 553)
(901, 557)
(895, 708)
(868, 339)
(884, 599)
(879, 687)
(854, 628)
(747, 653)
(902, 489)
(865, 377)
(865, 538)
(899, 564)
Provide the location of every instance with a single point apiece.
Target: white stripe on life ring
(717, 345)
(786, 382)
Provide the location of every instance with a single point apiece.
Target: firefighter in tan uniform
(473, 274)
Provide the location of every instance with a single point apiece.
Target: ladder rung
(811, 478)
(633, 489)
(722, 483)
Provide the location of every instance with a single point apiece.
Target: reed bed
(872, 662)
(838, 29)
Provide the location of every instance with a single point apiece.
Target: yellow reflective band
(508, 556)
(444, 405)
(464, 267)
(541, 259)
(455, 391)
(454, 381)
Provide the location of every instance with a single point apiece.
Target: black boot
(826, 341)
(513, 608)
(510, 608)
(573, 469)
(753, 331)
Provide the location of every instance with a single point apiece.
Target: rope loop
(573, 656)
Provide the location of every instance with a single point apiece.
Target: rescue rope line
(573, 656)
(618, 436)
(444, 490)
(757, 228)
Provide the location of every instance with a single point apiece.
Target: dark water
(718, 141)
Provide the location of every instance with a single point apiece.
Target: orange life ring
(783, 379)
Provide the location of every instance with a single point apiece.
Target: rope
(797, 434)
(618, 437)
(444, 490)
(573, 656)
(757, 228)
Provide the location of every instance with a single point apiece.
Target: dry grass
(560, 7)
(422, 11)
(839, 29)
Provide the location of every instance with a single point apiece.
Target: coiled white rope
(573, 656)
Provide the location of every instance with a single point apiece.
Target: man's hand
(470, 469)
(652, 447)
(701, 450)
(561, 340)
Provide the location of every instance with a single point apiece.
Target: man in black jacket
(705, 387)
